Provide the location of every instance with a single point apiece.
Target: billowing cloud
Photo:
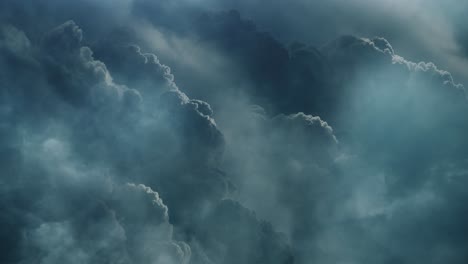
(67, 158)
(244, 150)
(91, 134)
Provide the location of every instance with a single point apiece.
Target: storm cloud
(202, 132)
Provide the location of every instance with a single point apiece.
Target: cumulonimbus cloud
(353, 152)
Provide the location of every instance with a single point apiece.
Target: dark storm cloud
(406, 120)
(281, 79)
(86, 111)
(105, 231)
(381, 90)
(181, 130)
(89, 136)
(67, 58)
(68, 94)
(242, 236)
(36, 17)
(285, 171)
(143, 71)
(420, 30)
(396, 120)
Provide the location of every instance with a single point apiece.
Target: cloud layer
(245, 150)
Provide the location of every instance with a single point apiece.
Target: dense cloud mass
(181, 132)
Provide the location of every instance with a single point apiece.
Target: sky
(219, 132)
